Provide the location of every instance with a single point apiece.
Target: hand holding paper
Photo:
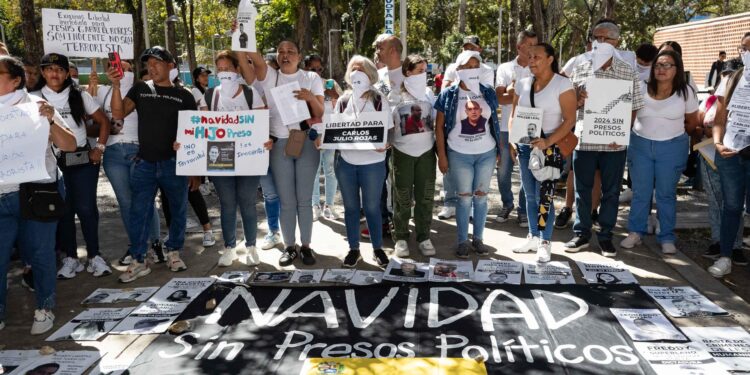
(292, 109)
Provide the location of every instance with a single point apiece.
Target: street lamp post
(170, 19)
(330, 55)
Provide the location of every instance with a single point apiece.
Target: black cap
(55, 59)
(157, 52)
(200, 70)
(472, 39)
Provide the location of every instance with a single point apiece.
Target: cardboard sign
(75, 33)
(366, 131)
(607, 112)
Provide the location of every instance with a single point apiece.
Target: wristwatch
(101, 147)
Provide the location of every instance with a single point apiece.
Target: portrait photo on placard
(474, 117)
(416, 118)
(220, 156)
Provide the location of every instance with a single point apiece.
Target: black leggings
(196, 201)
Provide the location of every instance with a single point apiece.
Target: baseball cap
(472, 39)
(157, 52)
(200, 70)
(465, 56)
(55, 59)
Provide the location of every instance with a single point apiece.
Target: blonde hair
(369, 68)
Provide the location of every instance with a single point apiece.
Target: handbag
(569, 142)
(72, 159)
(295, 143)
(41, 201)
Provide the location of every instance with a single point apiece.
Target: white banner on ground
(243, 38)
(214, 143)
(491, 271)
(527, 125)
(728, 345)
(366, 131)
(548, 273)
(23, 144)
(607, 112)
(82, 33)
(647, 325)
(451, 270)
(606, 273)
(683, 301)
(678, 358)
(91, 324)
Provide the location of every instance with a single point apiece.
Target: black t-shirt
(157, 118)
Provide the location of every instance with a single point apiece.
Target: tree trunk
(134, 8)
(609, 9)
(302, 27)
(171, 43)
(189, 33)
(538, 19)
(330, 20)
(360, 35)
(462, 17)
(554, 15)
(725, 8)
(513, 23)
(32, 41)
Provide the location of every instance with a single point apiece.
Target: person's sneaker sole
(577, 248)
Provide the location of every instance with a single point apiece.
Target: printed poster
(150, 317)
(239, 277)
(548, 273)
(301, 276)
(294, 110)
(59, 363)
(11, 359)
(366, 131)
(216, 143)
(338, 275)
(243, 38)
(683, 301)
(450, 270)
(272, 277)
(606, 273)
(737, 135)
(24, 139)
(362, 277)
(414, 118)
(182, 290)
(473, 121)
(607, 112)
(730, 346)
(83, 33)
(406, 270)
(647, 325)
(526, 126)
(679, 358)
(90, 324)
(103, 295)
(490, 271)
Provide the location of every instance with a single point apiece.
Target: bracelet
(101, 147)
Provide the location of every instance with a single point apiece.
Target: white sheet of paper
(243, 38)
(150, 317)
(607, 112)
(606, 272)
(362, 277)
(24, 139)
(292, 110)
(730, 346)
(90, 324)
(182, 290)
(737, 135)
(338, 275)
(82, 33)
(444, 270)
(683, 301)
(647, 325)
(490, 271)
(73, 362)
(678, 358)
(302, 276)
(548, 273)
(103, 295)
(241, 277)
(527, 125)
(406, 270)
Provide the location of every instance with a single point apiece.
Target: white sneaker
(532, 242)
(330, 213)
(632, 240)
(402, 249)
(653, 224)
(208, 238)
(317, 213)
(135, 271)
(447, 212)
(252, 256)
(98, 267)
(270, 240)
(426, 248)
(43, 321)
(626, 196)
(229, 256)
(668, 248)
(174, 262)
(70, 267)
(721, 267)
(544, 252)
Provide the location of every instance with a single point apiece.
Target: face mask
(416, 85)
(470, 77)
(601, 53)
(644, 71)
(746, 60)
(77, 82)
(58, 100)
(173, 74)
(360, 83)
(127, 80)
(229, 83)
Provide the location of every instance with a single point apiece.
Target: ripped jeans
(471, 175)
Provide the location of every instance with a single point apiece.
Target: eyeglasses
(665, 66)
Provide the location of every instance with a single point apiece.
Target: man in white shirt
(471, 43)
(507, 75)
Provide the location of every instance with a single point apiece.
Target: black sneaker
(463, 250)
(158, 250)
(713, 252)
(738, 258)
(479, 247)
(380, 258)
(577, 244)
(563, 218)
(288, 256)
(308, 258)
(351, 259)
(607, 248)
(27, 280)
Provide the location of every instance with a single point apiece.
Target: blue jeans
(118, 161)
(612, 166)
(531, 188)
(735, 179)
(293, 178)
(368, 179)
(80, 188)
(505, 175)
(146, 177)
(36, 241)
(451, 198)
(656, 165)
(471, 174)
(233, 192)
(326, 161)
(712, 185)
(271, 201)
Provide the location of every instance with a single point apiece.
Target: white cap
(465, 56)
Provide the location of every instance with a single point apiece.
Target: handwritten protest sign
(214, 143)
(363, 132)
(608, 112)
(243, 38)
(87, 34)
(23, 144)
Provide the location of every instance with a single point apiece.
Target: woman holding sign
(80, 168)
(294, 157)
(659, 145)
(362, 171)
(552, 93)
(468, 137)
(35, 236)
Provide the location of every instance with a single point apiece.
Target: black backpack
(209, 97)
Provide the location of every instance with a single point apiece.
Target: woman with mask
(413, 158)
(362, 171)
(122, 148)
(293, 174)
(467, 137)
(35, 239)
(80, 169)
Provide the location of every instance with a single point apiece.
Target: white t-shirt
(467, 136)
(60, 102)
(364, 157)
(414, 121)
(50, 161)
(548, 100)
(507, 73)
(662, 120)
(486, 77)
(307, 80)
(389, 83)
(129, 132)
(575, 61)
(198, 95)
(237, 103)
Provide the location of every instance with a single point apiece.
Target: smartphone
(329, 84)
(114, 61)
